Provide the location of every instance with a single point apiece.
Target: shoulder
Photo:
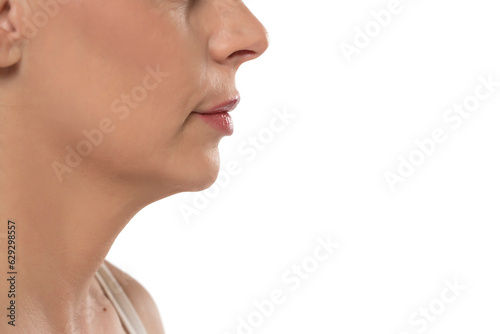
(141, 299)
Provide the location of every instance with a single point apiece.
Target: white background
(323, 175)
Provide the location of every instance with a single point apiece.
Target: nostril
(242, 53)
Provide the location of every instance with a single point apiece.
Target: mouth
(218, 117)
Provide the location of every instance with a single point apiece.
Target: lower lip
(220, 121)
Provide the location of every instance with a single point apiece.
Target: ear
(11, 12)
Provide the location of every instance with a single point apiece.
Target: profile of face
(118, 89)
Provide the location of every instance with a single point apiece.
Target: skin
(63, 80)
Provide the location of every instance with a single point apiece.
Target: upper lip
(222, 107)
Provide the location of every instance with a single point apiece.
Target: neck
(63, 229)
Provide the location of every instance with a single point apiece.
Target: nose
(240, 36)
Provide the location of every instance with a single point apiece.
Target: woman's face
(115, 84)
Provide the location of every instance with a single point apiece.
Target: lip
(223, 107)
(218, 117)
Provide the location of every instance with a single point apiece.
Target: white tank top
(129, 317)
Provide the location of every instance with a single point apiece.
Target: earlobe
(10, 32)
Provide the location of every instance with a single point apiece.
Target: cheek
(94, 52)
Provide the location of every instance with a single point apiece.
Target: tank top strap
(126, 311)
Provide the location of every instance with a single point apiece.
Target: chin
(191, 173)
(205, 174)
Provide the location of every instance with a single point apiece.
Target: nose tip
(243, 38)
(261, 42)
